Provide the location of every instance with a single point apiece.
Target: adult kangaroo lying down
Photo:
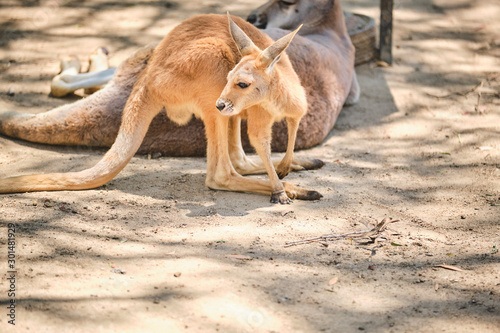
(326, 51)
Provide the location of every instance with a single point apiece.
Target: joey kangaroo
(185, 75)
(262, 94)
(322, 56)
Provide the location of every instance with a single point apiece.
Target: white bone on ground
(98, 62)
(66, 83)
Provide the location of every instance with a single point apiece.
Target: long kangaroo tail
(138, 114)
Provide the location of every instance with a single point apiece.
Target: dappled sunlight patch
(245, 312)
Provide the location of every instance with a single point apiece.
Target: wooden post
(385, 46)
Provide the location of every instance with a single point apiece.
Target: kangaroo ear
(270, 56)
(243, 42)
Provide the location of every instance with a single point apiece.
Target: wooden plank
(385, 47)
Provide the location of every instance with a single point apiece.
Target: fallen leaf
(480, 27)
(451, 268)
(118, 271)
(333, 280)
(239, 257)
(381, 64)
(395, 244)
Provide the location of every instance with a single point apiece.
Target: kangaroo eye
(287, 3)
(243, 85)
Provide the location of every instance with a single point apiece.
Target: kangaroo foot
(307, 163)
(294, 192)
(299, 165)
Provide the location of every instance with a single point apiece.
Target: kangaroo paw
(281, 197)
(282, 171)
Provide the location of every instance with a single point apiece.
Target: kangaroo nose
(221, 105)
(252, 18)
(258, 20)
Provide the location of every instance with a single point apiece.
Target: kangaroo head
(249, 82)
(289, 14)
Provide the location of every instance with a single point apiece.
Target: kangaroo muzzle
(221, 106)
(225, 107)
(258, 19)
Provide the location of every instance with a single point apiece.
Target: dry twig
(451, 268)
(464, 94)
(479, 98)
(372, 234)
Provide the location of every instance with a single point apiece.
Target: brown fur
(184, 80)
(184, 75)
(271, 91)
(324, 65)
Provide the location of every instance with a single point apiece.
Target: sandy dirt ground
(156, 251)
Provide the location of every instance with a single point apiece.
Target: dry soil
(156, 251)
